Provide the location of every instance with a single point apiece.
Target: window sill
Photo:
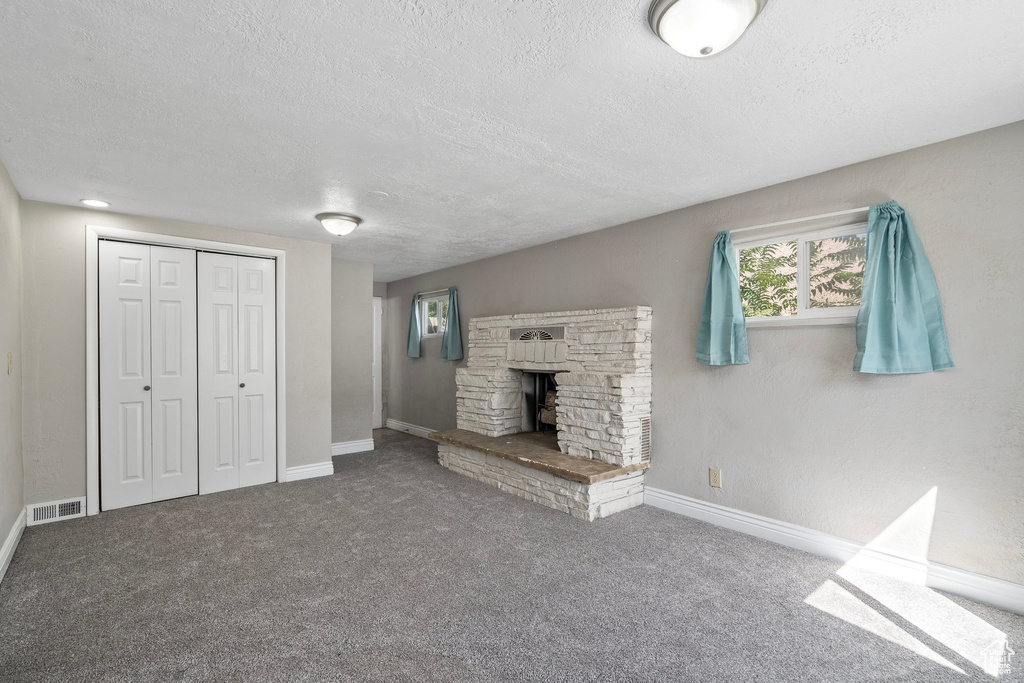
(794, 321)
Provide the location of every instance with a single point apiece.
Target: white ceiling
(491, 125)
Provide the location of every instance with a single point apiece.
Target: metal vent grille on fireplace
(43, 513)
(645, 439)
(537, 333)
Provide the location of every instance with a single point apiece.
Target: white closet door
(175, 409)
(218, 372)
(237, 372)
(257, 412)
(125, 396)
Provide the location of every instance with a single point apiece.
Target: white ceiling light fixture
(95, 203)
(702, 28)
(338, 223)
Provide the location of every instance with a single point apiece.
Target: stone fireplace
(601, 363)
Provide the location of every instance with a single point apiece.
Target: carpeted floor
(397, 569)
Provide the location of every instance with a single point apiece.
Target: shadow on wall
(902, 610)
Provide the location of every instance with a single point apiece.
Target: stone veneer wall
(603, 373)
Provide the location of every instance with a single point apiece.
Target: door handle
(242, 385)
(145, 388)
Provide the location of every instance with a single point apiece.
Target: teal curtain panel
(413, 349)
(451, 342)
(899, 325)
(722, 335)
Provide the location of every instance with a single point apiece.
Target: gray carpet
(397, 569)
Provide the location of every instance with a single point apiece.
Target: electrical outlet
(715, 477)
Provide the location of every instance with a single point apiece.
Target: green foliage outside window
(768, 275)
(837, 271)
(768, 280)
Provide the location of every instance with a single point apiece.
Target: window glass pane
(432, 316)
(432, 322)
(768, 280)
(837, 270)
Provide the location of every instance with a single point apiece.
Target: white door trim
(93, 233)
(378, 356)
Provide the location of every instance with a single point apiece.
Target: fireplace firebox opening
(539, 392)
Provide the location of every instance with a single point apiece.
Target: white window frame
(805, 315)
(439, 298)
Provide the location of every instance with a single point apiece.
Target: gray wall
(11, 480)
(799, 436)
(381, 289)
(54, 340)
(352, 350)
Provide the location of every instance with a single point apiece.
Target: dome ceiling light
(702, 28)
(95, 203)
(338, 223)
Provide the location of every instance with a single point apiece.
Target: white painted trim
(140, 237)
(11, 543)
(377, 411)
(808, 233)
(978, 587)
(432, 292)
(282, 375)
(93, 233)
(92, 370)
(836, 217)
(791, 535)
(319, 469)
(421, 432)
(346, 447)
(845, 318)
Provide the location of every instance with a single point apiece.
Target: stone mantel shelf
(523, 452)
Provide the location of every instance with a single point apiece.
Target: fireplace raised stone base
(581, 500)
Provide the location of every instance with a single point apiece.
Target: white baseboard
(11, 543)
(346, 447)
(318, 469)
(978, 587)
(415, 430)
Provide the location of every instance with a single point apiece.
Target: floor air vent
(43, 513)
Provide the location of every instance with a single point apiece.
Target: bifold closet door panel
(175, 378)
(218, 371)
(126, 476)
(257, 373)
(237, 372)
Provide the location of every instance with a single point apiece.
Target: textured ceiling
(459, 129)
